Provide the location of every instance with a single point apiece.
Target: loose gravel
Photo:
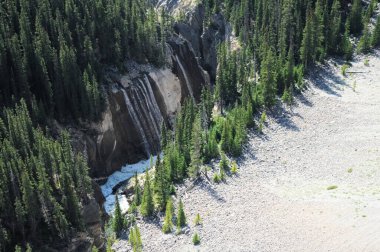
(279, 201)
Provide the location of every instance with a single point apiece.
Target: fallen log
(356, 72)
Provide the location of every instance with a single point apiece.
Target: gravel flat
(280, 199)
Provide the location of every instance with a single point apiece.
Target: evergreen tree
(147, 206)
(223, 164)
(346, 45)
(355, 18)
(268, 77)
(117, 221)
(160, 185)
(308, 47)
(197, 220)
(364, 45)
(135, 239)
(168, 223)
(375, 41)
(334, 30)
(196, 239)
(196, 148)
(164, 136)
(181, 218)
(137, 191)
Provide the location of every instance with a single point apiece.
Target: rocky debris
(279, 200)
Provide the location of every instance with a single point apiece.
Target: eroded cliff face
(204, 40)
(142, 97)
(138, 102)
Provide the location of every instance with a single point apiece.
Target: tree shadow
(258, 134)
(211, 191)
(301, 98)
(154, 220)
(283, 117)
(325, 78)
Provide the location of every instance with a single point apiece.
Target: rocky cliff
(142, 97)
(138, 102)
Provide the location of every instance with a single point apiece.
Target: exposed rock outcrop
(138, 102)
(204, 40)
(143, 97)
(92, 218)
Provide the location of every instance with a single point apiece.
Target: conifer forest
(89, 86)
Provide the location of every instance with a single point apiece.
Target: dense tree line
(43, 183)
(52, 52)
(281, 40)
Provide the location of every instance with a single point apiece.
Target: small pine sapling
(198, 220)
(196, 239)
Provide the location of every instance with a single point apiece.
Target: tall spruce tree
(137, 191)
(147, 205)
(375, 40)
(346, 45)
(160, 185)
(117, 220)
(196, 147)
(355, 18)
(168, 222)
(181, 218)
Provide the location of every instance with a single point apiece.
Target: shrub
(196, 239)
(216, 178)
(344, 69)
(222, 175)
(287, 97)
(234, 167)
(172, 189)
(366, 62)
(263, 118)
(332, 187)
(223, 164)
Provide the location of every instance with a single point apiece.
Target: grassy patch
(349, 170)
(332, 187)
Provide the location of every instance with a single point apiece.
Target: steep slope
(279, 201)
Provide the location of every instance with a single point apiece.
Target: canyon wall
(140, 99)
